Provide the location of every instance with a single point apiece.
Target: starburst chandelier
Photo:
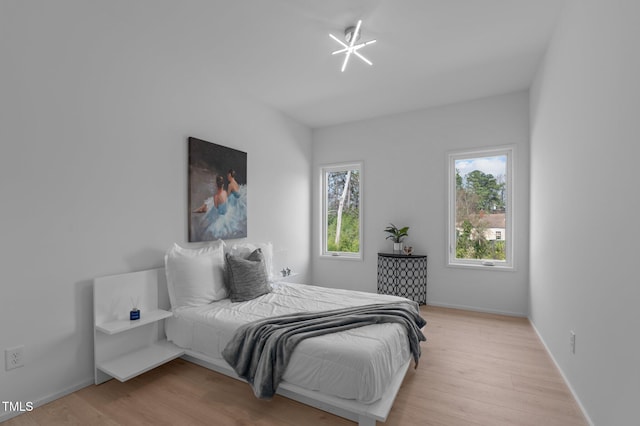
(351, 35)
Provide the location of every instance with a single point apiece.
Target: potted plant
(396, 234)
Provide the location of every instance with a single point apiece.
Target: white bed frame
(363, 414)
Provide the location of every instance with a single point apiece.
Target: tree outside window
(342, 218)
(480, 215)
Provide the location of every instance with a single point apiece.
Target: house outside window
(341, 210)
(481, 217)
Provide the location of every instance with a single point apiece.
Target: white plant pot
(397, 247)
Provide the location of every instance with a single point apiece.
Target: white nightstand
(289, 277)
(123, 348)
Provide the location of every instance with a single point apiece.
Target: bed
(355, 374)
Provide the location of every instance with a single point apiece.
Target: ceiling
(428, 52)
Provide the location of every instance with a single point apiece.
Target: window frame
(510, 214)
(335, 167)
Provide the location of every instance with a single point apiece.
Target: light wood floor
(476, 369)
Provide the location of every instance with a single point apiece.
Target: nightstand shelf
(118, 326)
(289, 277)
(131, 364)
(123, 348)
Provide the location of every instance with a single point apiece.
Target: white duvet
(354, 364)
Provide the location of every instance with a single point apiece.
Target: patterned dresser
(403, 275)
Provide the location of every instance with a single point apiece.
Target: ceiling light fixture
(351, 34)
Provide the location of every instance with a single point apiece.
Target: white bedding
(355, 364)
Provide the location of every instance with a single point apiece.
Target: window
(341, 213)
(481, 208)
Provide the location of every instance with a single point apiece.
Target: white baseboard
(476, 309)
(42, 401)
(564, 377)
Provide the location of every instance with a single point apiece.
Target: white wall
(95, 110)
(584, 154)
(405, 167)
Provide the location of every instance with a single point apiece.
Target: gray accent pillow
(248, 277)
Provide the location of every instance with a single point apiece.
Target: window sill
(337, 256)
(483, 266)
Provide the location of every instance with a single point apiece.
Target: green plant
(396, 234)
(349, 239)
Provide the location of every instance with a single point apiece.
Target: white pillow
(195, 277)
(245, 249)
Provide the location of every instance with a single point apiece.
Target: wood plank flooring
(476, 369)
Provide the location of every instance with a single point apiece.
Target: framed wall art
(217, 192)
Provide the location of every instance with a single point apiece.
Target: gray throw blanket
(260, 351)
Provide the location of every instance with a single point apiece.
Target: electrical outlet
(13, 357)
(572, 341)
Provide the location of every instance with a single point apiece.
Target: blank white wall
(405, 167)
(97, 101)
(584, 205)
